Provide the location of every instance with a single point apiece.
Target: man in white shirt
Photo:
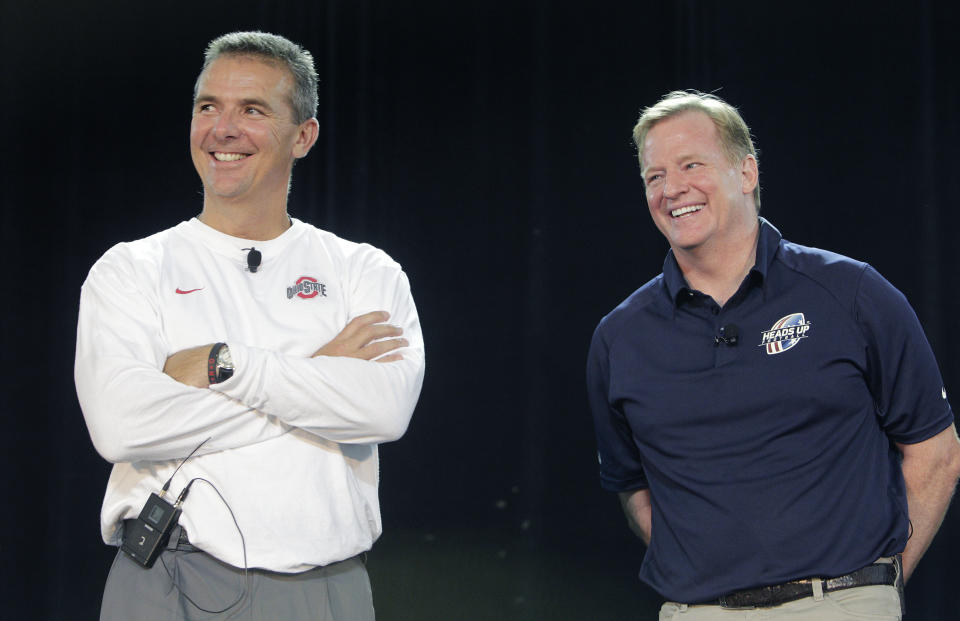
(283, 352)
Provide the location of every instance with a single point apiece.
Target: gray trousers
(186, 584)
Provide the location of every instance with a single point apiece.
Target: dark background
(486, 146)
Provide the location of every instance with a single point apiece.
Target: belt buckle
(727, 604)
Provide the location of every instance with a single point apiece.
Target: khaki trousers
(871, 603)
(876, 603)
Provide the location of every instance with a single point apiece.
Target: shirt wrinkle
(728, 435)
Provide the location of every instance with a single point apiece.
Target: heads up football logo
(307, 287)
(785, 333)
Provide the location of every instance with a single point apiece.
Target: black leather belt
(768, 596)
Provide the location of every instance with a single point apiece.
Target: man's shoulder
(827, 268)
(353, 256)
(634, 306)
(137, 253)
(340, 245)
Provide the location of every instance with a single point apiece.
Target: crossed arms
(142, 403)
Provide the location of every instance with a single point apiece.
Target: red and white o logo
(312, 288)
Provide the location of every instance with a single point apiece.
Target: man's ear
(307, 135)
(749, 174)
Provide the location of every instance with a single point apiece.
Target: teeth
(676, 213)
(228, 157)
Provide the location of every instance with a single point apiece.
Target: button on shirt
(769, 458)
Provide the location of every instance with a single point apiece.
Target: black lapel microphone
(253, 259)
(729, 335)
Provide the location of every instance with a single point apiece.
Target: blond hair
(733, 131)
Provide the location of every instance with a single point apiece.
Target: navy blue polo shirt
(770, 459)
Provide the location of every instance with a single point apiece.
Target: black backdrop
(486, 146)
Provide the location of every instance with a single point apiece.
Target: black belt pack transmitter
(149, 533)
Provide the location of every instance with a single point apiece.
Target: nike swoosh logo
(182, 292)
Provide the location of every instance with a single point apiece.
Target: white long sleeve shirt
(293, 439)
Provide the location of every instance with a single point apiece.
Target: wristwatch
(219, 363)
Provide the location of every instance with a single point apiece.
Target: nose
(226, 126)
(673, 185)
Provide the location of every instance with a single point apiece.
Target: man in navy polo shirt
(771, 415)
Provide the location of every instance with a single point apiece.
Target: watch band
(224, 364)
(212, 370)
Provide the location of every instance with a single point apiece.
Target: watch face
(223, 358)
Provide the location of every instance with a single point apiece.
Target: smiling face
(696, 196)
(243, 138)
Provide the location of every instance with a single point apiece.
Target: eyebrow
(682, 158)
(253, 101)
(644, 171)
(249, 101)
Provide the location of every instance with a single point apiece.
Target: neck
(718, 270)
(246, 221)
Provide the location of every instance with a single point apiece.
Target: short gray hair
(272, 49)
(732, 129)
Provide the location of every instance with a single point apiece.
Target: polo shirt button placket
(725, 352)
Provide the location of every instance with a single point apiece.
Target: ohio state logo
(307, 287)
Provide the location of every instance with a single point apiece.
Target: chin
(687, 242)
(227, 187)
(222, 192)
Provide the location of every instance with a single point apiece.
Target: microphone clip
(729, 335)
(253, 259)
